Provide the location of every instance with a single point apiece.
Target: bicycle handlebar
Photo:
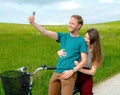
(43, 67)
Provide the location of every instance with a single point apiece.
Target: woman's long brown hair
(96, 46)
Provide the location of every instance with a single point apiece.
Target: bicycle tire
(77, 93)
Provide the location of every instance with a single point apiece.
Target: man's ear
(79, 26)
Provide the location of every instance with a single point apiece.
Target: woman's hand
(61, 53)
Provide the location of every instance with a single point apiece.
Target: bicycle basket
(15, 83)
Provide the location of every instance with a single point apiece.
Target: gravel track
(108, 87)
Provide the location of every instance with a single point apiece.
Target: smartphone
(33, 13)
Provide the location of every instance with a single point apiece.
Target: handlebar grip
(50, 68)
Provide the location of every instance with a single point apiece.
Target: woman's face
(87, 39)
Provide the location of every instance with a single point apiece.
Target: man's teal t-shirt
(73, 46)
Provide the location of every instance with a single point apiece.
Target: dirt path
(108, 87)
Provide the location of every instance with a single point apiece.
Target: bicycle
(19, 82)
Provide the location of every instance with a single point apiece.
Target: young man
(75, 47)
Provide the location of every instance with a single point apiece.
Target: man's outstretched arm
(42, 30)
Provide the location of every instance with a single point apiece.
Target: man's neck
(74, 34)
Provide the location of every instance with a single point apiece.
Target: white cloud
(12, 12)
(68, 5)
(106, 1)
(59, 11)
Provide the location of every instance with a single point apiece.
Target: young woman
(84, 80)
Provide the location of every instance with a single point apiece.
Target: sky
(50, 12)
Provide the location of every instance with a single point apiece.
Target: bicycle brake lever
(44, 66)
(22, 69)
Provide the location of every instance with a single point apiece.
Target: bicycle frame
(43, 67)
(27, 81)
(19, 82)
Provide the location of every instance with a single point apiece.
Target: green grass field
(22, 45)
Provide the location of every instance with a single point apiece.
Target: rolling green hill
(22, 45)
